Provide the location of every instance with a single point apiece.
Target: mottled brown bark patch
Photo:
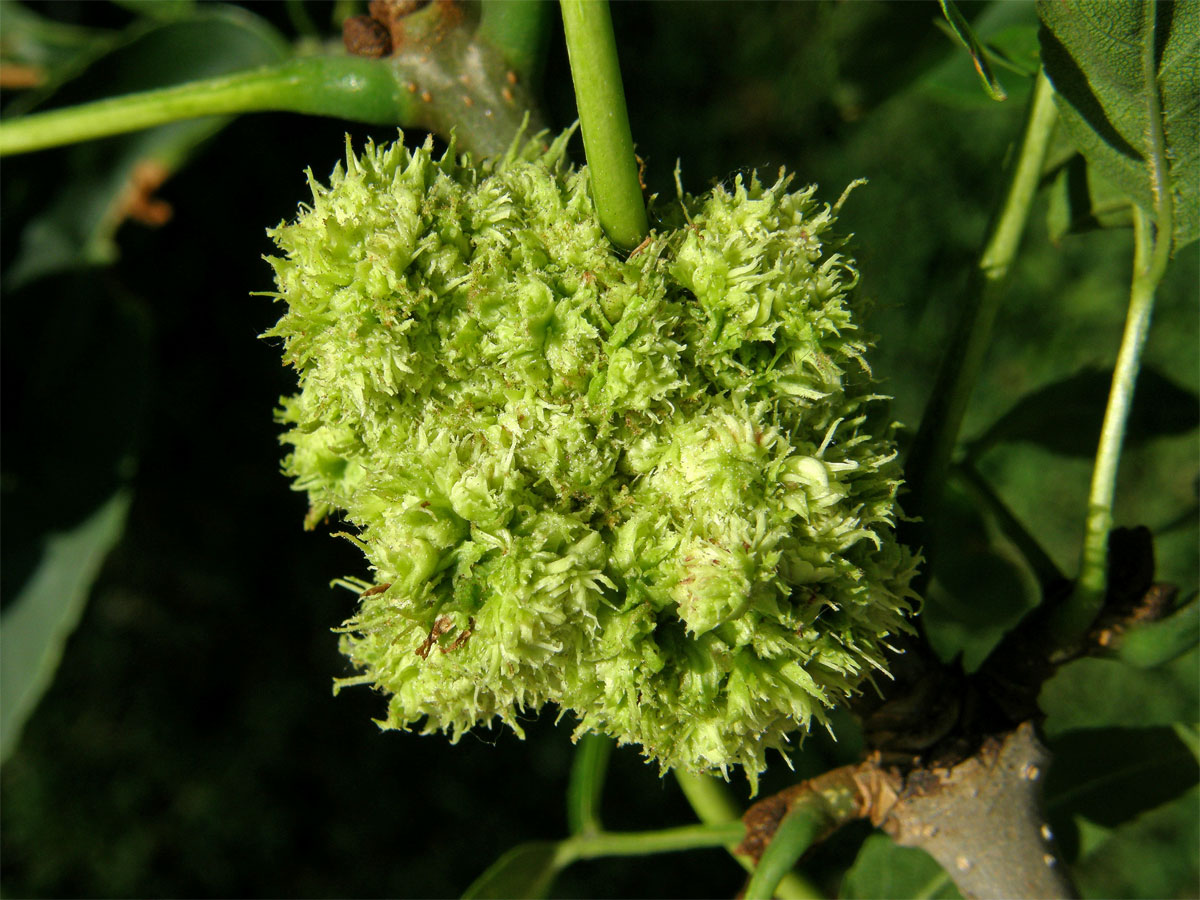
(365, 36)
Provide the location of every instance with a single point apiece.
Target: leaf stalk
(607, 140)
(798, 831)
(586, 786)
(349, 87)
(1151, 253)
(712, 804)
(645, 843)
(933, 447)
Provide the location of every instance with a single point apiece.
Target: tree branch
(982, 820)
(440, 76)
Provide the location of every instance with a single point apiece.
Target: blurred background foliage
(189, 743)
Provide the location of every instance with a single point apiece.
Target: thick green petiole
(1085, 602)
(607, 140)
(348, 87)
(797, 832)
(1152, 252)
(712, 804)
(519, 30)
(933, 447)
(587, 784)
(645, 843)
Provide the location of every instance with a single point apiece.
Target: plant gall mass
(644, 488)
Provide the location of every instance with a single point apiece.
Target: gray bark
(982, 820)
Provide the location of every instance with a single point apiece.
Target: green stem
(519, 30)
(587, 784)
(645, 843)
(797, 832)
(1085, 602)
(607, 140)
(933, 447)
(709, 798)
(814, 809)
(301, 20)
(348, 87)
(1152, 252)
(712, 804)
(342, 10)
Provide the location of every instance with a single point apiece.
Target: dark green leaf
(1093, 53)
(525, 871)
(1109, 776)
(1083, 200)
(1023, 541)
(961, 29)
(1155, 855)
(1189, 734)
(70, 448)
(1065, 417)
(1098, 693)
(1015, 47)
(71, 441)
(163, 10)
(54, 51)
(78, 224)
(884, 869)
(981, 586)
(1155, 643)
(1007, 33)
(35, 627)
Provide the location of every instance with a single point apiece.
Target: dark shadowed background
(190, 744)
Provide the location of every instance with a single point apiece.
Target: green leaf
(1065, 416)
(1081, 837)
(1015, 47)
(1110, 775)
(961, 29)
(1155, 643)
(526, 871)
(981, 586)
(586, 786)
(79, 222)
(1081, 200)
(57, 51)
(1093, 53)
(1189, 734)
(70, 442)
(49, 484)
(1097, 693)
(1155, 855)
(1007, 33)
(34, 629)
(884, 869)
(162, 10)
(69, 502)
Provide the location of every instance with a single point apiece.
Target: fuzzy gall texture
(643, 489)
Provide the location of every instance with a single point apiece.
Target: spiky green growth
(642, 489)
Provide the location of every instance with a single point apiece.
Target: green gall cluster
(643, 488)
